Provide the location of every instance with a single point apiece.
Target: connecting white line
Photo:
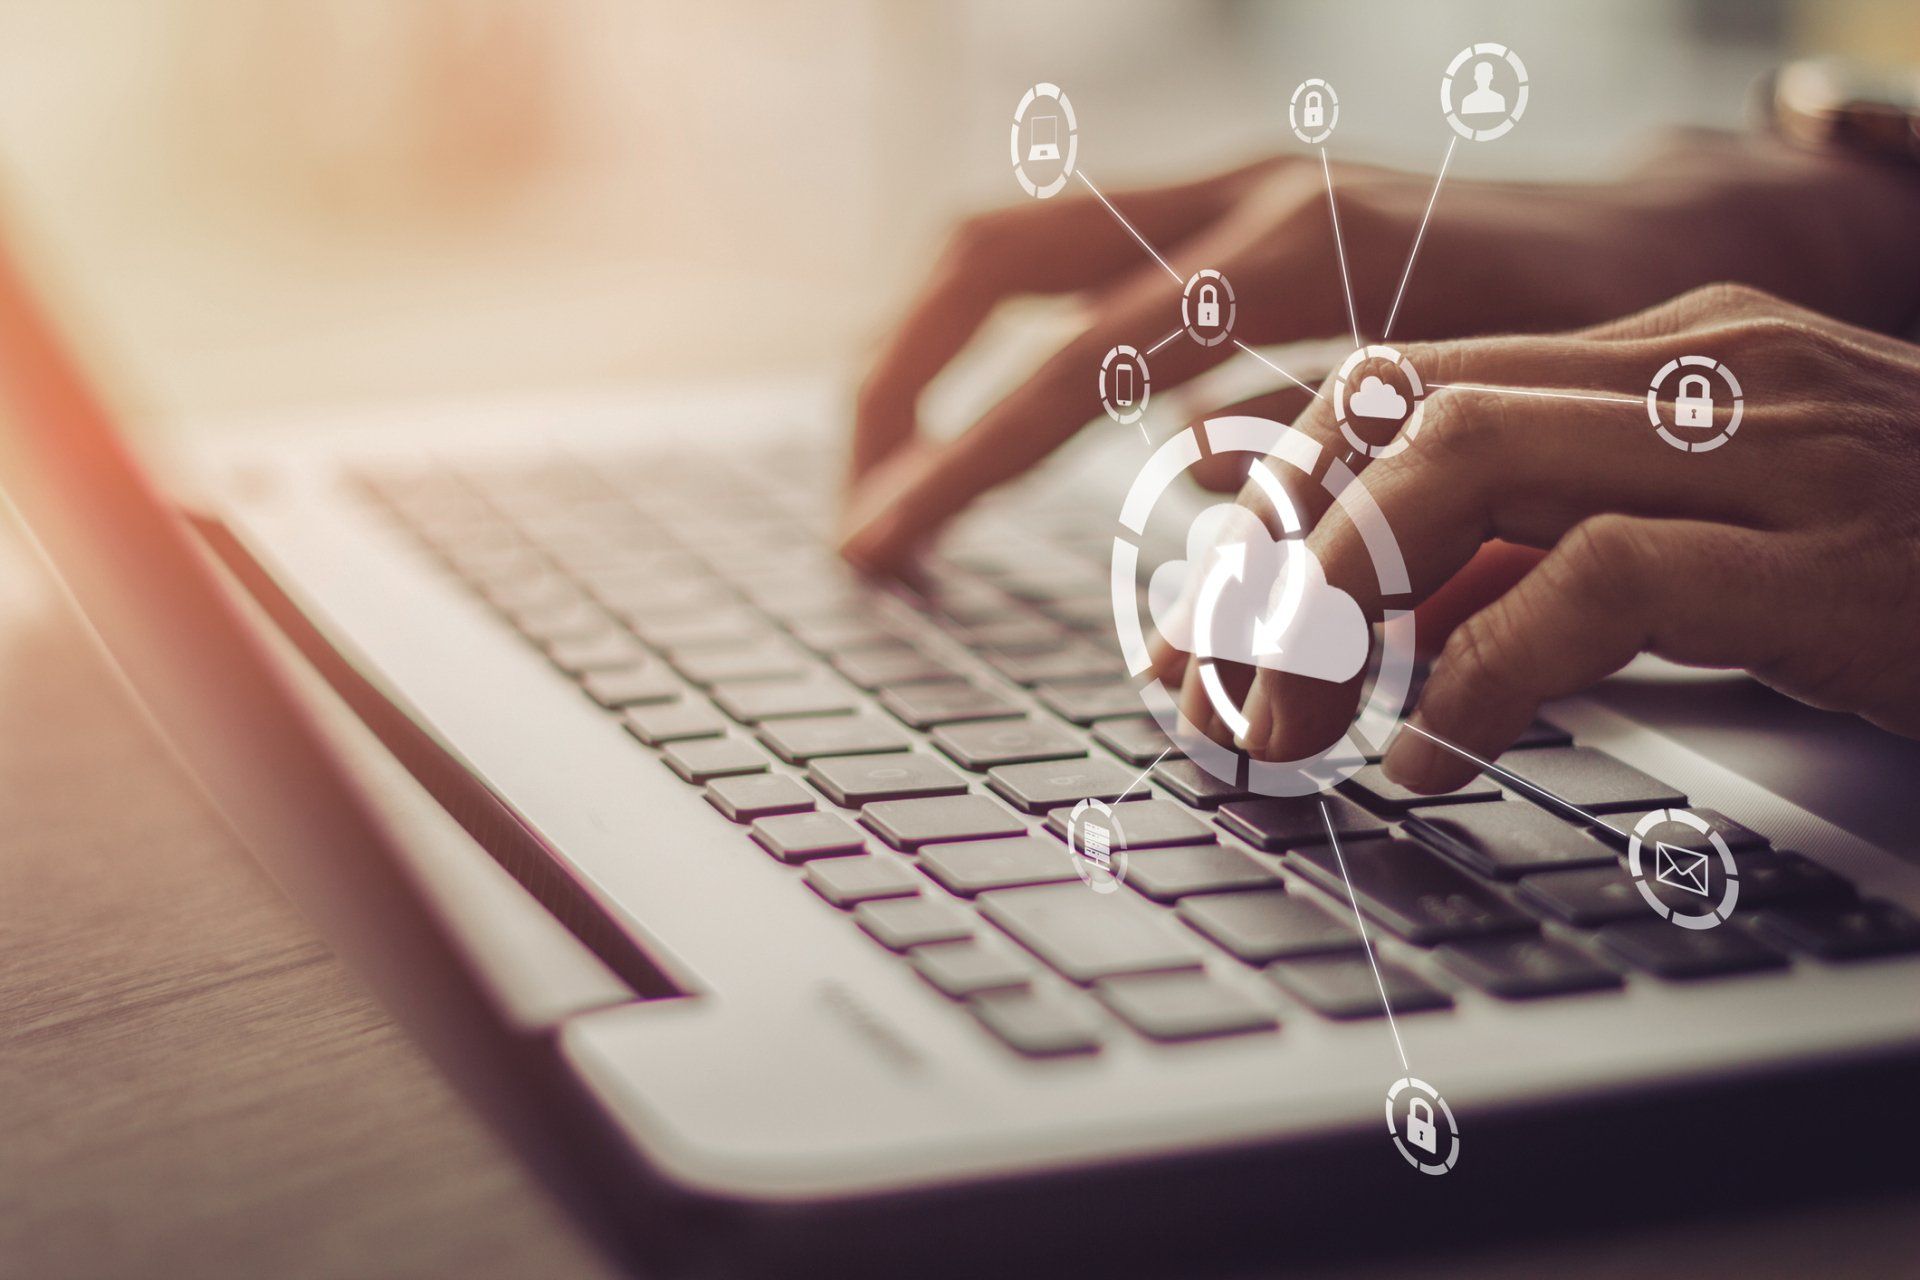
(1523, 391)
(1418, 236)
(1340, 249)
(1277, 369)
(1514, 778)
(1169, 338)
(1177, 277)
(1365, 941)
(1143, 775)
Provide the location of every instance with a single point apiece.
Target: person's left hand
(1792, 551)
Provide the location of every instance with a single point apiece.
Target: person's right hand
(1825, 231)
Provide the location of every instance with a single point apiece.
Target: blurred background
(266, 205)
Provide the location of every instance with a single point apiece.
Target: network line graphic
(1378, 400)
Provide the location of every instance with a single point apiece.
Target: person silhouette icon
(1484, 100)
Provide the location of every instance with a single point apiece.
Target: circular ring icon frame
(1130, 416)
(1096, 875)
(1436, 1167)
(1512, 117)
(1053, 188)
(1730, 873)
(1295, 107)
(1188, 305)
(1416, 391)
(1390, 663)
(1711, 366)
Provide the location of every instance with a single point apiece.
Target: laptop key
(1167, 875)
(1369, 785)
(1084, 704)
(962, 969)
(1088, 936)
(1268, 925)
(1411, 890)
(847, 882)
(800, 837)
(701, 760)
(1279, 823)
(1144, 824)
(1507, 840)
(925, 706)
(854, 781)
(908, 824)
(1855, 931)
(631, 686)
(1619, 829)
(977, 866)
(673, 722)
(1525, 968)
(709, 666)
(744, 797)
(842, 635)
(896, 664)
(986, 744)
(800, 741)
(1184, 1006)
(757, 700)
(1036, 788)
(1064, 664)
(1195, 786)
(1038, 1024)
(1135, 739)
(1343, 987)
(1590, 779)
(1680, 954)
(900, 923)
(1587, 897)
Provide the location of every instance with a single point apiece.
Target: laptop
(762, 942)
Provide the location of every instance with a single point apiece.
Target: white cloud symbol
(1375, 399)
(1326, 636)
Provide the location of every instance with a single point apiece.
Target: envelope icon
(1681, 868)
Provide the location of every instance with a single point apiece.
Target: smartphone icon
(1123, 385)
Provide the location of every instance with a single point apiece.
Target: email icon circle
(1687, 867)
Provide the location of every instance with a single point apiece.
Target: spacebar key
(1088, 936)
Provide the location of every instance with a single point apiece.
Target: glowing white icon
(1681, 868)
(1696, 402)
(1093, 837)
(1044, 131)
(1370, 396)
(1484, 100)
(1693, 407)
(1125, 385)
(1312, 111)
(1207, 308)
(1376, 399)
(1420, 1130)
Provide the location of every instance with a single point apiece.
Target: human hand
(1828, 231)
(1792, 551)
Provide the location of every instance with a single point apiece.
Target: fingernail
(1257, 710)
(1412, 761)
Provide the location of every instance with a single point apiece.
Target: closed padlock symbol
(1207, 314)
(1694, 405)
(1420, 1130)
(1315, 112)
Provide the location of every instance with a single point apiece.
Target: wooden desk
(191, 1085)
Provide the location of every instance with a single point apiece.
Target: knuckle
(1476, 653)
(1729, 297)
(1460, 430)
(1604, 558)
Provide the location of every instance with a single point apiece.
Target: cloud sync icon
(1376, 399)
(1324, 638)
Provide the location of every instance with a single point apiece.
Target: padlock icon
(1420, 1130)
(1694, 405)
(1207, 314)
(1314, 113)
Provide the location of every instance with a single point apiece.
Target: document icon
(1681, 868)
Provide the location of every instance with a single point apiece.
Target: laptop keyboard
(910, 751)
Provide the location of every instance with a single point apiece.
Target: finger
(1227, 472)
(1051, 246)
(1698, 593)
(1520, 468)
(890, 516)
